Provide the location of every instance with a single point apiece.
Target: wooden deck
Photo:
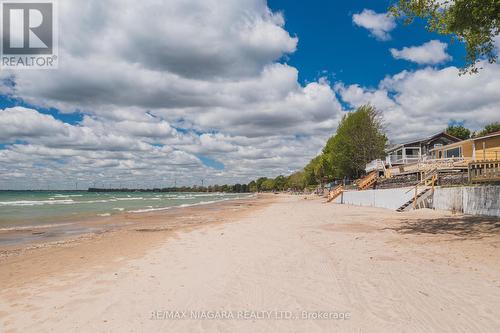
(449, 164)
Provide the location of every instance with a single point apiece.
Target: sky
(157, 93)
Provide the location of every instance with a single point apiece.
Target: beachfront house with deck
(411, 152)
(479, 156)
(417, 150)
(483, 148)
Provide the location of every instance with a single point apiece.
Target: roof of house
(451, 145)
(425, 140)
(489, 135)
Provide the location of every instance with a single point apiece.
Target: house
(417, 150)
(483, 148)
(411, 152)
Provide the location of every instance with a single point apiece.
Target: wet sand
(283, 257)
(118, 238)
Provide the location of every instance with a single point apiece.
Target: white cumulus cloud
(430, 53)
(379, 24)
(418, 103)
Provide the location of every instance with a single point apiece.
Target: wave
(38, 226)
(51, 201)
(125, 199)
(149, 210)
(68, 195)
(37, 203)
(183, 197)
(179, 206)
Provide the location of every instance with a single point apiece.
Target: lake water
(19, 209)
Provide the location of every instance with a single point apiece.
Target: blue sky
(68, 118)
(330, 41)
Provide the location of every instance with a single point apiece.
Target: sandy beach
(275, 263)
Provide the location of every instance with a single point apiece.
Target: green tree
(309, 177)
(252, 186)
(490, 128)
(359, 140)
(459, 132)
(279, 183)
(259, 183)
(474, 22)
(267, 185)
(296, 181)
(316, 170)
(319, 168)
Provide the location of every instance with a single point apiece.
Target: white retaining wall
(448, 198)
(392, 198)
(473, 200)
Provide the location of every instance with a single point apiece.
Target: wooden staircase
(418, 201)
(368, 181)
(415, 201)
(334, 193)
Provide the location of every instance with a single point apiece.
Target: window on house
(412, 152)
(399, 154)
(454, 152)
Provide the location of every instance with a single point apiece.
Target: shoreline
(135, 235)
(417, 271)
(71, 227)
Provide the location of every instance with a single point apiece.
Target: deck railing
(375, 165)
(400, 159)
(478, 170)
(484, 171)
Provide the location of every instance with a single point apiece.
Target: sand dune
(277, 270)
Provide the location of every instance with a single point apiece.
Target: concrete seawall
(473, 200)
(386, 198)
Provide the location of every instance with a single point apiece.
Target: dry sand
(421, 271)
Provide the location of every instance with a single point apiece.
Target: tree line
(461, 132)
(236, 188)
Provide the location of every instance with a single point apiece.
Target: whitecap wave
(30, 227)
(125, 199)
(68, 195)
(37, 202)
(179, 206)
